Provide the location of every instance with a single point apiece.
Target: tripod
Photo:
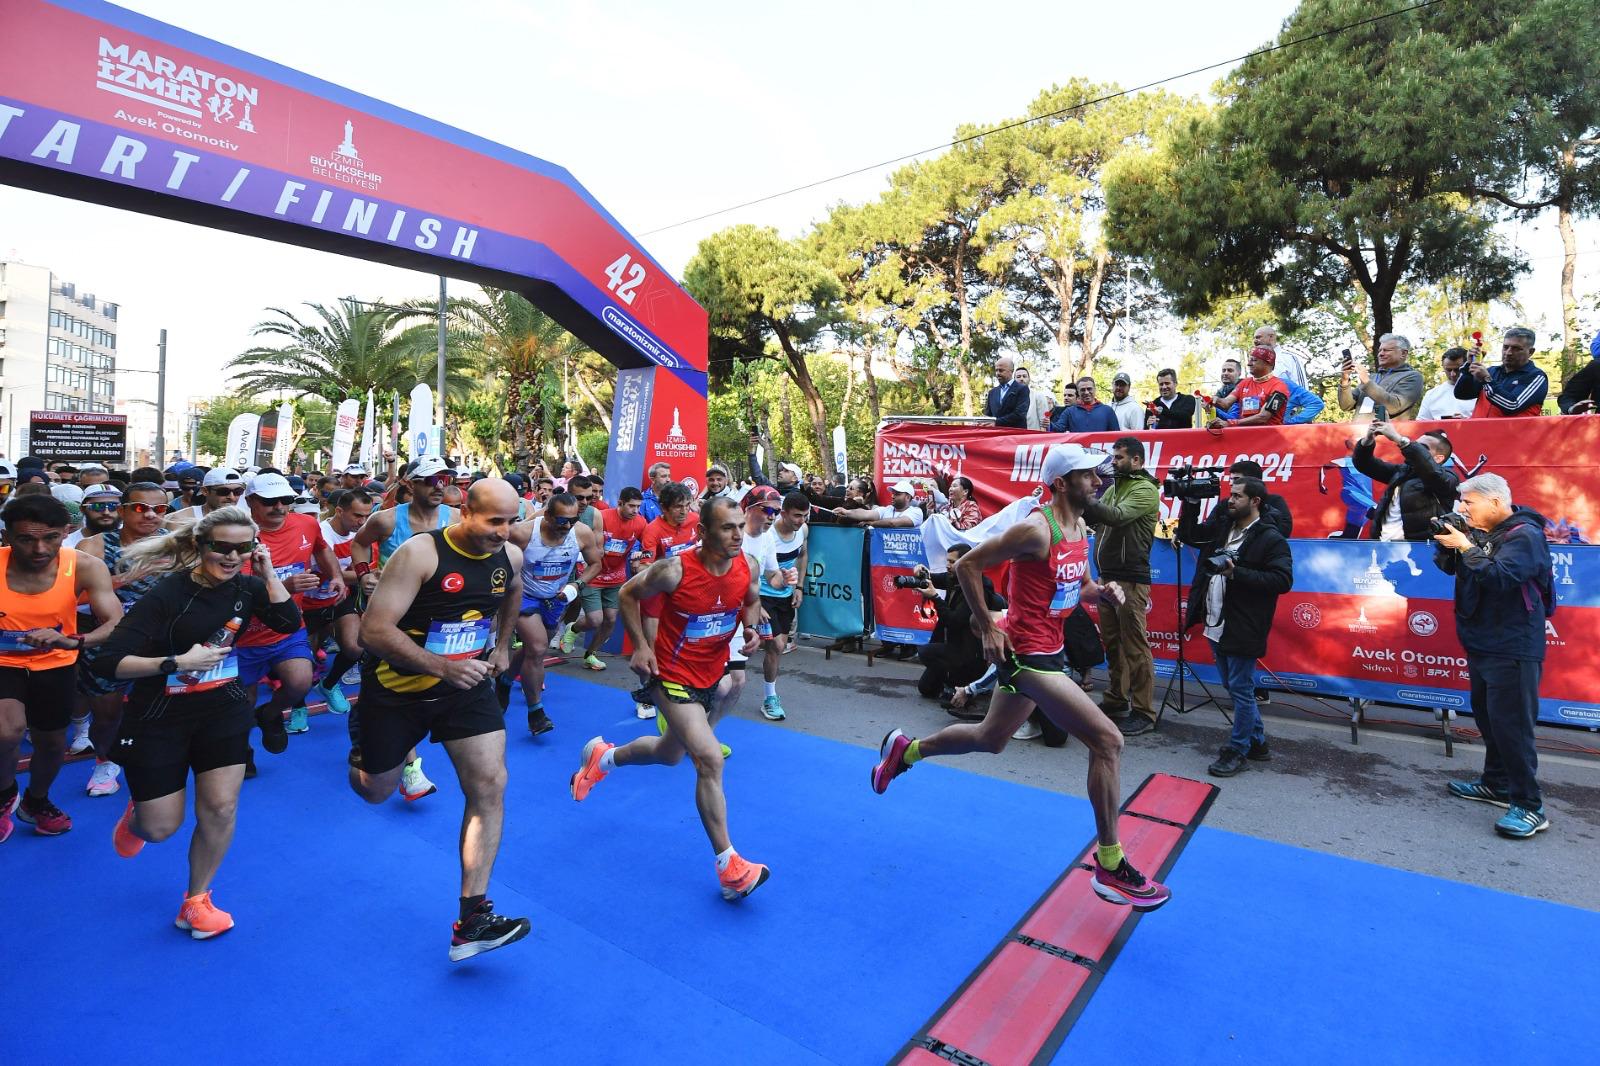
(1183, 667)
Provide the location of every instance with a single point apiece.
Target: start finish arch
(101, 104)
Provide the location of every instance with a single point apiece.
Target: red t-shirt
(620, 539)
(1271, 396)
(293, 546)
(661, 540)
(699, 619)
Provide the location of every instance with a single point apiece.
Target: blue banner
(899, 615)
(833, 605)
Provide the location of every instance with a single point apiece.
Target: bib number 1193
(626, 276)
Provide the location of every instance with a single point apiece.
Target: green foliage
(211, 438)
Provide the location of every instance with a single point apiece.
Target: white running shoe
(352, 676)
(646, 711)
(1029, 731)
(103, 782)
(414, 784)
(80, 736)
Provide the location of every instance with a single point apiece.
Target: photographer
(1245, 565)
(1396, 387)
(954, 656)
(1124, 521)
(1419, 488)
(1504, 592)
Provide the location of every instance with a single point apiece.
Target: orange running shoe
(123, 838)
(741, 878)
(201, 919)
(589, 773)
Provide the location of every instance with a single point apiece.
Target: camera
(1222, 557)
(1193, 482)
(912, 581)
(1441, 523)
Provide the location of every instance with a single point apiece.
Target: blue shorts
(548, 608)
(256, 659)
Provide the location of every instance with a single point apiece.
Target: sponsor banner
(419, 425)
(1549, 463)
(833, 605)
(369, 440)
(677, 430)
(1376, 621)
(78, 436)
(242, 433)
(344, 434)
(280, 449)
(630, 429)
(266, 440)
(900, 616)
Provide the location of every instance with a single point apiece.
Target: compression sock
(470, 904)
(608, 761)
(340, 665)
(913, 754)
(772, 689)
(1110, 856)
(723, 858)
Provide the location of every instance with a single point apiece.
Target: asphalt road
(1382, 801)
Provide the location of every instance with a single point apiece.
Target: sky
(663, 111)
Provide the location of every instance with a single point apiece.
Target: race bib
(678, 549)
(11, 643)
(1250, 405)
(459, 640)
(710, 626)
(1066, 597)
(615, 546)
(221, 674)
(548, 568)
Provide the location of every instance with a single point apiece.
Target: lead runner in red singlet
(703, 594)
(1048, 553)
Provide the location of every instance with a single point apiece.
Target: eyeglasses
(275, 501)
(147, 508)
(108, 506)
(221, 490)
(438, 481)
(228, 547)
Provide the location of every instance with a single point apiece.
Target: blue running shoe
(338, 702)
(297, 721)
(771, 709)
(1477, 790)
(1519, 823)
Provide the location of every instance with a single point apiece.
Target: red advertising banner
(1550, 463)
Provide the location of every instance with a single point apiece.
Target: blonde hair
(180, 549)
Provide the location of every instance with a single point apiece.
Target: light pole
(438, 389)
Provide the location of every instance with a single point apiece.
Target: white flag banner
(939, 536)
(369, 446)
(242, 433)
(419, 428)
(280, 447)
(344, 433)
(840, 451)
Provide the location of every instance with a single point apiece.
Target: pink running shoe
(891, 761)
(46, 818)
(6, 824)
(589, 773)
(741, 878)
(1128, 887)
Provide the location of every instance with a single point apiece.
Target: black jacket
(1263, 572)
(1584, 385)
(1505, 588)
(1179, 416)
(1426, 488)
(954, 627)
(1013, 412)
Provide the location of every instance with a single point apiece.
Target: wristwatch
(169, 665)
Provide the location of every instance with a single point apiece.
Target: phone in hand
(1349, 360)
(1380, 413)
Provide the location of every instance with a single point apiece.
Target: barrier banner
(1549, 463)
(78, 436)
(1375, 620)
(833, 605)
(900, 616)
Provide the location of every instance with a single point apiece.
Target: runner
(223, 487)
(326, 612)
(621, 528)
(582, 489)
(702, 595)
(102, 504)
(296, 546)
(438, 628)
(40, 585)
(1048, 553)
(783, 560)
(189, 710)
(674, 531)
(552, 545)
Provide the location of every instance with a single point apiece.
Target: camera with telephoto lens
(1193, 482)
(1441, 523)
(917, 579)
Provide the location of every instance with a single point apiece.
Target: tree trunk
(1064, 285)
(963, 372)
(1571, 341)
(785, 419)
(516, 419)
(594, 400)
(1091, 309)
(872, 388)
(808, 389)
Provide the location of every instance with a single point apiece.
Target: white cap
(354, 468)
(105, 488)
(427, 467)
(222, 475)
(68, 493)
(302, 505)
(795, 470)
(1066, 458)
(86, 467)
(271, 487)
(903, 486)
(7, 472)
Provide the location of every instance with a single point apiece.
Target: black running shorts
(46, 696)
(1038, 664)
(317, 617)
(686, 694)
(158, 755)
(392, 723)
(780, 610)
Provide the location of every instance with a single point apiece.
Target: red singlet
(1042, 592)
(1271, 395)
(699, 619)
(621, 538)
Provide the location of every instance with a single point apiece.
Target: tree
(1336, 162)
(211, 437)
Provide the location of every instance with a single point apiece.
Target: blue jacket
(1505, 588)
(1077, 419)
(1304, 406)
(1511, 392)
(650, 507)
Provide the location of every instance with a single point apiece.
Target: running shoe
(122, 835)
(338, 702)
(589, 773)
(1128, 887)
(47, 819)
(592, 662)
(741, 878)
(273, 736)
(645, 711)
(483, 930)
(539, 723)
(1477, 790)
(1519, 823)
(352, 676)
(103, 781)
(6, 824)
(568, 640)
(891, 760)
(297, 721)
(414, 784)
(1028, 730)
(80, 737)
(201, 919)
(771, 709)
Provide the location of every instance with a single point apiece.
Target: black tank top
(454, 611)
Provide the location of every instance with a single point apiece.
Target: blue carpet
(877, 908)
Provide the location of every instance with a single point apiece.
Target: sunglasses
(217, 490)
(147, 508)
(438, 481)
(102, 507)
(772, 512)
(228, 547)
(275, 501)
(563, 522)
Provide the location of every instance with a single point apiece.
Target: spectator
(1262, 399)
(1396, 386)
(1008, 403)
(1355, 492)
(650, 508)
(1274, 508)
(898, 514)
(1172, 410)
(1289, 367)
(1418, 488)
(1245, 565)
(1088, 415)
(717, 486)
(954, 655)
(1504, 592)
(962, 509)
(1440, 401)
(1038, 400)
(1304, 406)
(1581, 394)
(1230, 375)
(1514, 389)
(1124, 521)
(1129, 412)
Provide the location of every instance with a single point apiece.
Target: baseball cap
(759, 494)
(222, 475)
(304, 505)
(270, 487)
(1064, 459)
(427, 467)
(795, 470)
(94, 467)
(105, 488)
(67, 494)
(7, 472)
(1123, 378)
(354, 468)
(904, 486)
(1266, 355)
(297, 483)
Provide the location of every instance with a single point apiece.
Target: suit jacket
(1013, 411)
(1179, 416)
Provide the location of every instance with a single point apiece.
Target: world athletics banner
(833, 605)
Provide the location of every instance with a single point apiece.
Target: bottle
(222, 638)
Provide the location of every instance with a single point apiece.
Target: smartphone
(1349, 360)
(1380, 413)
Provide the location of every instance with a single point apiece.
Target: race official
(1124, 521)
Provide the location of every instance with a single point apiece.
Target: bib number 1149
(626, 276)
